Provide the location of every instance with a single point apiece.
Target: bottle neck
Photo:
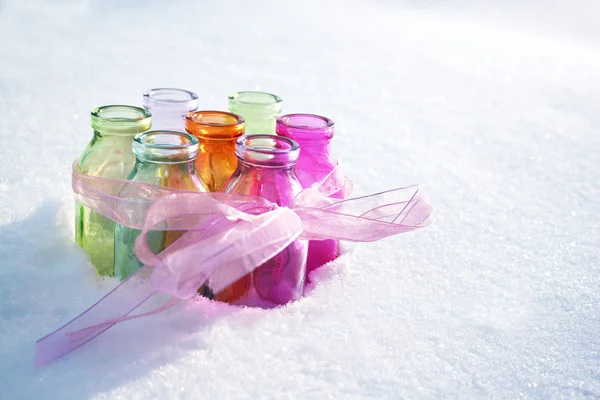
(167, 175)
(107, 136)
(206, 141)
(247, 167)
(277, 184)
(314, 144)
(146, 165)
(259, 124)
(165, 119)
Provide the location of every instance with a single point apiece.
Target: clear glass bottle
(259, 109)
(266, 169)
(217, 132)
(314, 134)
(110, 155)
(163, 158)
(169, 107)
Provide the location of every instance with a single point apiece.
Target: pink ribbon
(227, 237)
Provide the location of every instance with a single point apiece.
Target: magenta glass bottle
(313, 133)
(169, 107)
(266, 169)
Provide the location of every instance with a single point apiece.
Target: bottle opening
(255, 104)
(305, 122)
(121, 119)
(254, 98)
(171, 98)
(305, 128)
(165, 146)
(267, 150)
(214, 124)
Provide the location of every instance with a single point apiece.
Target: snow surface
(494, 108)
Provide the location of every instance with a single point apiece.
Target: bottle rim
(214, 125)
(121, 119)
(255, 103)
(306, 122)
(165, 146)
(172, 99)
(254, 98)
(267, 150)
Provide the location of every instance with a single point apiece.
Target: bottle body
(169, 107)
(175, 171)
(281, 279)
(260, 110)
(216, 132)
(313, 133)
(109, 155)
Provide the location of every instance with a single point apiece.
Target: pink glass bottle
(266, 169)
(313, 133)
(169, 107)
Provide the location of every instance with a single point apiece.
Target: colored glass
(217, 132)
(163, 158)
(169, 107)
(109, 154)
(316, 161)
(266, 169)
(259, 109)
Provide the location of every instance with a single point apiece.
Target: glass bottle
(217, 132)
(314, 134)
(163, 158)
(109, 154)
(259, 109)
(266, 169)
(169, 107)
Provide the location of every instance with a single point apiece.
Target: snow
(492, 107)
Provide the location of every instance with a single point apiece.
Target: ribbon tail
(367, 218)
(111, 309)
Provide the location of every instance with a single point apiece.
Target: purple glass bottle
(169, 107)
(316, 161)
(266, 169)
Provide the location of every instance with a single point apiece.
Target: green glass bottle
(260, 110)
(110, 155)
(163, 158)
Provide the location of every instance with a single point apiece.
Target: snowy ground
(495, 109)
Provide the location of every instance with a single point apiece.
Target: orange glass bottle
(217, 132)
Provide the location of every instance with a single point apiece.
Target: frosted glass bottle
(266, 169)
(259, 109)
(217, 132)
(163, 158)
(169, 107)
(110, 155)
(313, 133)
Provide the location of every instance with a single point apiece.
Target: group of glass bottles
(252, 150)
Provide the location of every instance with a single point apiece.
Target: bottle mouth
(267, 150)
(170, 99)
(165, 147)
(305, 127)
(256, 102)
(216, 125)
(121, 119)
